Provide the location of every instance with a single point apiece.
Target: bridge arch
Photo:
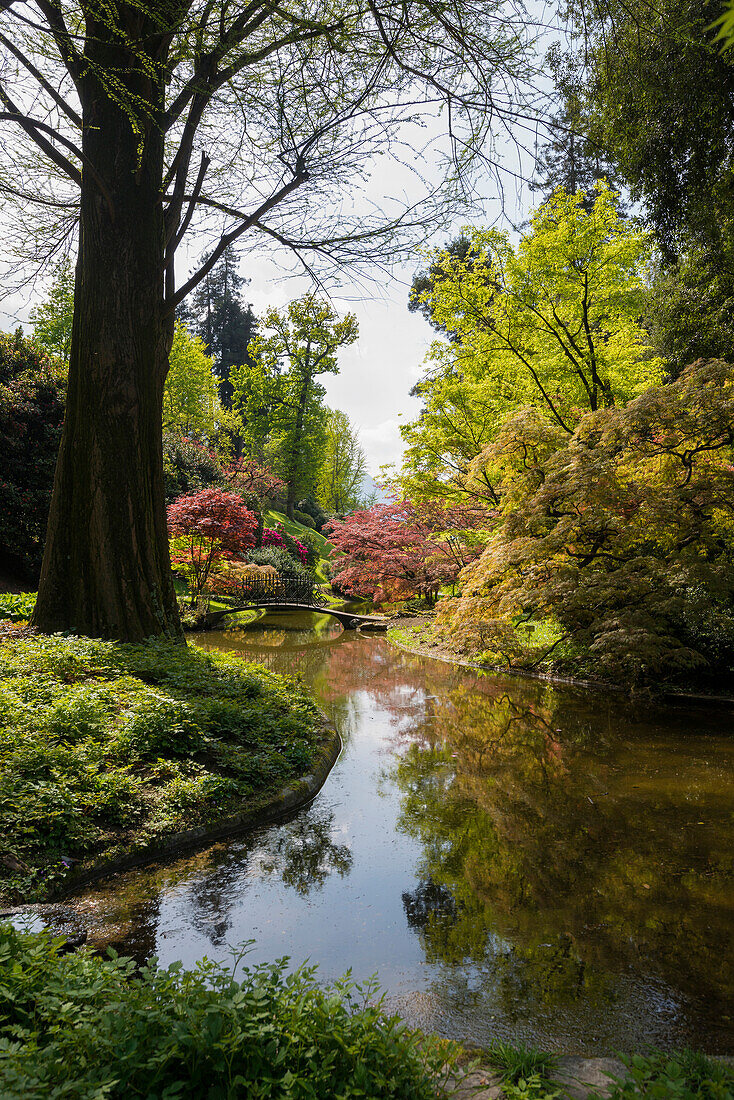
(348, 619)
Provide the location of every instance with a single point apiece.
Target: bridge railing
(283, 588)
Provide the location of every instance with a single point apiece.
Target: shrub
(79, 1027)
(279, 537)
(313, 509)
(313, 547)
(32, 399)
(102, 746)
(277, 557)
(271, 537)
(295, 547)
(304, 519)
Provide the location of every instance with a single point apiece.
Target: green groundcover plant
(106, 748)
(682, 1075)
(17, 606)
(81, 1027)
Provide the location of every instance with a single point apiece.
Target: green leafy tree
(553, 323)
(190, 396)
(139, 124)
(303, 344)
(689, 309)
(659, 98)
(52, 320)
(343, 464)
(256, 399)
(424, 282)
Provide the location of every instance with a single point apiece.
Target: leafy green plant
(106, 748)
(17, 607)
(279, 558)
(685, 1075)
(521, 1063)
(79, 1027)
(532, 1088)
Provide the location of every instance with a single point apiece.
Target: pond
(512, 859)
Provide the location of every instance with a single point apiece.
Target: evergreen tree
(217, 314)
(570, 158)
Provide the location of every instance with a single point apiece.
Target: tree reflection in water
(304, 855)
(569, 851)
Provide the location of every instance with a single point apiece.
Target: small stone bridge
(348, 619)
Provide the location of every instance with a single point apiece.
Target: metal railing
(283, 588)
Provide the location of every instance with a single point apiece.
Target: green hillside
(297, 531)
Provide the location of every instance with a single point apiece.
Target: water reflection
(512, 859)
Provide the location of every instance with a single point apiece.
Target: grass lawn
(106, 748)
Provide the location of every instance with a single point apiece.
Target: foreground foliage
(107, 748)
(17, 606)
(80, 1027)
(683, 1075)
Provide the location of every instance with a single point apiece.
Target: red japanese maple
(401, 549)
(205, 528)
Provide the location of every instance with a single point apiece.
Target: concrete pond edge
(297, 794)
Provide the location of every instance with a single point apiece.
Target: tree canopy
(343, 464)
(552, 323)
(280, 402)
(621, 534)
(190, 397)
(52, 320)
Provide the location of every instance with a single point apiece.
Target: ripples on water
(512, 859)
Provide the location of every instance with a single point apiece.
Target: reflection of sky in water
(485, 849)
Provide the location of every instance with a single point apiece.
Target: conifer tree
(570, 158)
(217, 314)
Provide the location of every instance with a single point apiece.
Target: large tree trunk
(106, 569)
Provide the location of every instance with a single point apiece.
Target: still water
(512, 859)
